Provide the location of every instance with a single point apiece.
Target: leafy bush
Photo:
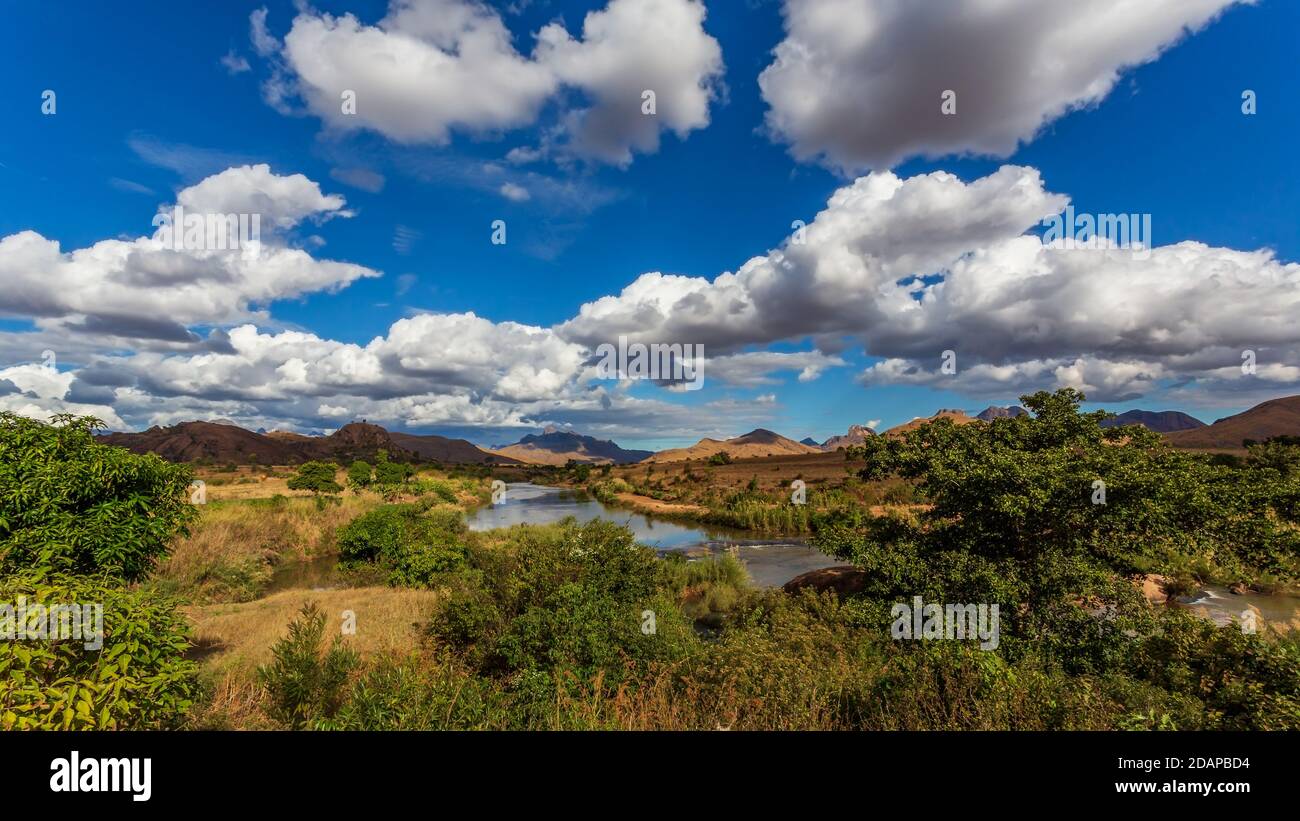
(138, 678)
(70, 504)
(720, 458)
(360, 474)
(1016, 516)
(415, 693)
(390, 473)
(413, 543)
(560, 600)
(305, 684)
(318, 477)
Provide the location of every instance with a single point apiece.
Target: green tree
(390, 473)
(318, 477)
(415, 545)
(1039, 512)
(360, 474)
(73, 505)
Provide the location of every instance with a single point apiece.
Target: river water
(771, 562)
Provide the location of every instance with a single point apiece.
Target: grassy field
(231, 554)
(253, 524)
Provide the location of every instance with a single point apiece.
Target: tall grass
(232, 551)
(707, 588)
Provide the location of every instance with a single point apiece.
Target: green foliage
(413, 543)
(720, 458)
(1014, 503)
(138, 679)
(565, 600)
(415, 693)
(391, 473)
(748, 513)
(360, 474)
(73, 505)
(580, 471)
(305, 683)
(1242, 681)
(318, 477)
(606, 490)
(707, 588)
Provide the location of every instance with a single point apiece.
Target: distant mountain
(995, 412)
(1276, 417)
(957, 416)
(808, 440)
(857, 435)
(556, 447)
(188, 441)
(288, 436)
(1158, 421)
(226, 442)
(441, 449)
(760, 442)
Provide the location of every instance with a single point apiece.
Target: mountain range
(994, 412)
(224, 441)
(759, 442)
(856, 435)
(958, 417)
(1158, 421)
(556, 447)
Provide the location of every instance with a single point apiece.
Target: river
(771, 562)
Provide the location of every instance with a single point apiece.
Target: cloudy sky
(833, 197)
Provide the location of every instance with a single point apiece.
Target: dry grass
(236, 638)
(249, 482)
(773, 472)
(231, 551)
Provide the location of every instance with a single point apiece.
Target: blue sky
(146, 108)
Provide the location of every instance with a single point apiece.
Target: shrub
(304, 683)
(413, 543)
(73, 505)
(360, 474)
(318, 477)
(560, 600)
(137, 679)
(390, 473)
(414, 693)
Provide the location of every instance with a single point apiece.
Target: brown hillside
(557, 447)
(756, 443)
(442, 449)
(223, 442)
(856, 435)
(1276, 417)
(189, 441)
(958, 417)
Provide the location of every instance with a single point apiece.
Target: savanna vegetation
(428, 625)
